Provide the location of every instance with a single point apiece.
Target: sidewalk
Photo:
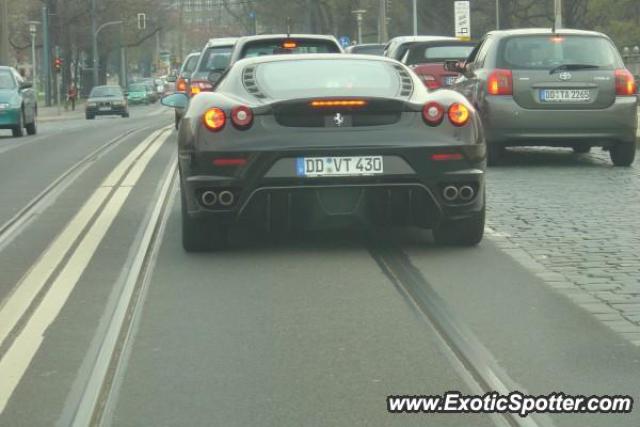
(49, 114)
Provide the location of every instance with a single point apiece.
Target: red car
(427, 60)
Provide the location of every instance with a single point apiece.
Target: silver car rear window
(549, 51)
(327, 78)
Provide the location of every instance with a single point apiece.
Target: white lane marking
(15, 362)
(138, 168)
(14, 306)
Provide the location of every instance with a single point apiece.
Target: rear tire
(201, 235)
(581, 149)
(463, 232)
(32, 128)
(623, 153)
(495, 153)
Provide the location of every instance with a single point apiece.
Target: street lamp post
(95, 47)
(359, 14)
(33, 28)
(497, 14)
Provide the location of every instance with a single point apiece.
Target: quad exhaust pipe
(209, 198)
(462, 193)
(467, 193)
(450, 193)
(226, 198)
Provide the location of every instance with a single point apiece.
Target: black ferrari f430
(296, 141)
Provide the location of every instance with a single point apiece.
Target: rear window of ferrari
(335, 77)
(280, 46)
(548, 51)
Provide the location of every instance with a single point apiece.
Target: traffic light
(57, 64)
(387, 5)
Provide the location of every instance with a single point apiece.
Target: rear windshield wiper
(573, 67)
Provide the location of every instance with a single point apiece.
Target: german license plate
(104, 109)
(339, 166)
(565, 95)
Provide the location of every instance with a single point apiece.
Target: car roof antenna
(288, 26)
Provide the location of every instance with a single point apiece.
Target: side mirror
(126, 93)
(175, 100)
(26, 85)
(172, 79)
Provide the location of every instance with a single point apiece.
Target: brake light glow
(241, 116)
(441, 157)
(430, 81)
(557, 39)
(199, 86)
(229, 161)
(289, 44)
(433, 113)
(625, 83)
(181, 86)
(339, 103)
(458, 114)
(214, 119)
(500, 82)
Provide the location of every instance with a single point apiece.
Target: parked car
(139, 93)
(397, 46)
(427, 60)
(300, 140)
(366, 49)
(106, 101)
(18, 106)
(538, 87)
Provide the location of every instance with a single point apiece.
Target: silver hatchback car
(538, 87)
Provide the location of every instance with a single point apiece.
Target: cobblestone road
(575, 221)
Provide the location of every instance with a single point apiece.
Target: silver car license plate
(339, 166)
(565, 95)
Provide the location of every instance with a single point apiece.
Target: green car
(138, 94)
(18, 107)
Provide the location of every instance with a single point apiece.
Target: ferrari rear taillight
(458, 114)
(430, 81)
(181, 85)
(198, 86)
(625, 83)
(242, 117)
(500, 82)
(433, 113)
(214, 119)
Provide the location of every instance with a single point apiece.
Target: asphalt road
(105, 320)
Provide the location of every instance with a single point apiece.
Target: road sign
(462, 12)
(345, 41)
(142, 21)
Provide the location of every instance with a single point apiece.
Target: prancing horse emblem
(338, 119)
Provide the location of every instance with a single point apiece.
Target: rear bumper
(273, 200)
(509, 124)
(115, 111)
(9, 118)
